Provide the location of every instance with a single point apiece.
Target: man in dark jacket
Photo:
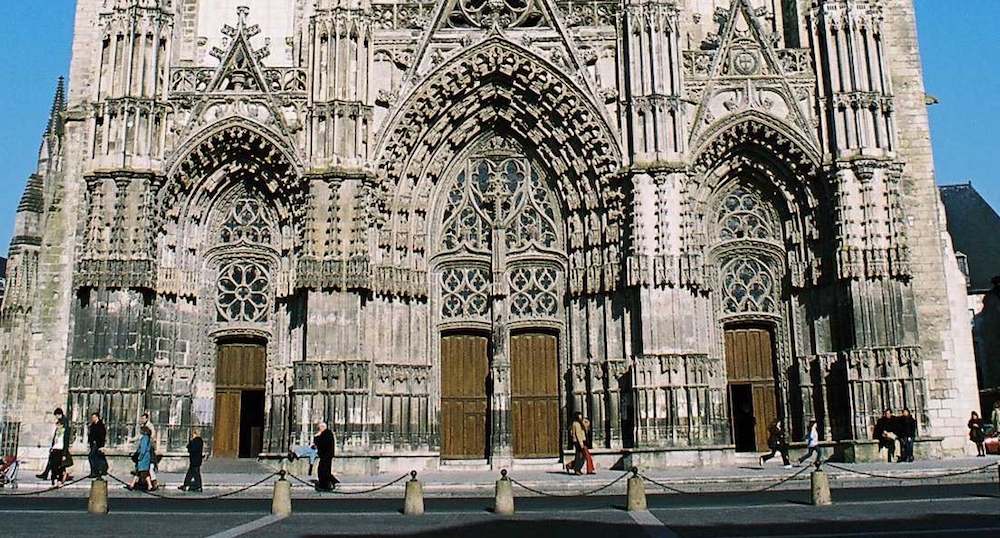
(196, 449)
(885, 433)
(97, 437)
(323, 441)
(907, 431)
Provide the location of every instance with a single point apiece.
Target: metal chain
(750, 492)
(46, 490)
(188, 498)
(946, 475)
(584, 494)
(372, 490)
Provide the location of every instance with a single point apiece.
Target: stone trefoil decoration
(490, 14)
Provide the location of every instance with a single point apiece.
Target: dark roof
(975, 231)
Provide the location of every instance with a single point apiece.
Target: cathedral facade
(443, 227)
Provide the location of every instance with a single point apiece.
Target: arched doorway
(499, 269)
(748, 250)
(239, 399)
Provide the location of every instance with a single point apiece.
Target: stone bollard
(820, 488)
(98, 501)
(413, 503)
(504, 503)
(281, 502)
(636, 498)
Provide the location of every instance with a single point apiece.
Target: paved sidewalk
(227, 477)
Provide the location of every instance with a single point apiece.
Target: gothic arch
(757, 150)
(229, 145)
(233, 156)
(497, 87)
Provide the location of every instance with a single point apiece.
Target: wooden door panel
(463, 396)
(534, 395)
(764, 411)
(749, 355)
(241, 365)
(226, 441)
(750, 359)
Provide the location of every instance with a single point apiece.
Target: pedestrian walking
(977, 433)
(578, 438)
(44, 475)
(776, 442)
(812, 443)
(907, 434)
(97, 438)
(324, 443)
(885, 434)
(591, 469)
(196, 449)
(995, 417)
(143, 460)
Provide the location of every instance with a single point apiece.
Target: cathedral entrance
(464, 416)
(239, 399)
(751, 389)
(534, 367)
(500, 271)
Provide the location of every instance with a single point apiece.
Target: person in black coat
(323, 442)
(886, 435)
(196, 449)
(97, 438)
(907, 430)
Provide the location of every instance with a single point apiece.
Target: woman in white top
(812, 442)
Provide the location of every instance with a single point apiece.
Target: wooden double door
(750, 373)
(239, 400)
(466, 390)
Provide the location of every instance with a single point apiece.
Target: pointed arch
(753, 149)
(230, 146)
(501, 88)
(499, 83)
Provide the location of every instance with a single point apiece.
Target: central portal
(499, 269)
(239, 400)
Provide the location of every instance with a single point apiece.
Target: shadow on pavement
(548, 528)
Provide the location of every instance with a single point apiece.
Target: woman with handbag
(977, 433)
(143, 460)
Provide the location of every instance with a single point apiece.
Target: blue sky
(959, 47)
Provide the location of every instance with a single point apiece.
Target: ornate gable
(240, 69)
(747, 73)
(240, 87)
(535, 24)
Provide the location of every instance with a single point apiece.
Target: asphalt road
(937, 510)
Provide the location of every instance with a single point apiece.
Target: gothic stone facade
(444, 227)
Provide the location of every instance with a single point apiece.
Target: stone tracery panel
(465, 293)
(748, 286)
